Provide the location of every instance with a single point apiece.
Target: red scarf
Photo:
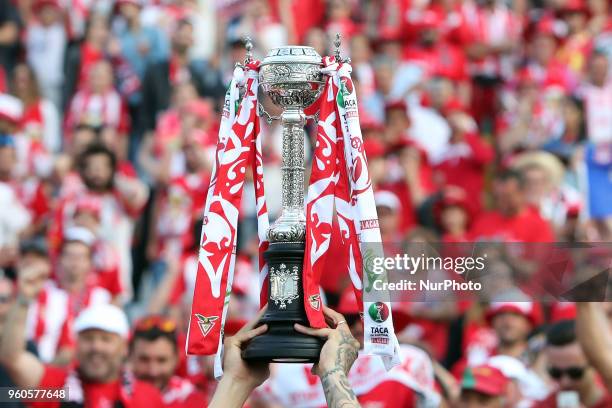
(216, 259)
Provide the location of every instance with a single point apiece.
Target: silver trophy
(291, 77)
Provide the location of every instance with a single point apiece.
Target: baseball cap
(484, 379)
(39, 4)
(11, 108)
(387, 199)
(530, 310)
(453, 198)
(106, 317)
(396, 104)
(374, 148)
(80, 234)
(511, 367)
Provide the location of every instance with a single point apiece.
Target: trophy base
(281, 343)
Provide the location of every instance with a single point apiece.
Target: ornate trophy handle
(261, 111)
(337, 43)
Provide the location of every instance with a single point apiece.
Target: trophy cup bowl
(291, 76)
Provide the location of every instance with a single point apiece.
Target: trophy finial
(248, 44)
(337, 43)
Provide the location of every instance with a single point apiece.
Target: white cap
(387, 199)
(106, 317)
(510, 366)
(11, 108)
(80, 234)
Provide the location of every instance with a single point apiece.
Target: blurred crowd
(483, 120)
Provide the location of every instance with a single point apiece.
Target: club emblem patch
(315, 302)
(206, 323)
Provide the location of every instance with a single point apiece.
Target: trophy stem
(291, 225)
(285, 259)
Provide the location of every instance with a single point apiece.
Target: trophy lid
(292, 54)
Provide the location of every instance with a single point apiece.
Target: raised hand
(337, 357)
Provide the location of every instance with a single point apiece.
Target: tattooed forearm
(338, 392)
(347, 351)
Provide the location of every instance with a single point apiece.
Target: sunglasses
(160, 323)
(574, 373)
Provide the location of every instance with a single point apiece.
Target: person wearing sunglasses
(154, 358)
(570, 371)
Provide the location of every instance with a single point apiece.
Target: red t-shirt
(181, 393)
(551, 402)
(527, 226)
(95, 395)
(463, 166)
(408, 211)
(445, 60)
(389, 394)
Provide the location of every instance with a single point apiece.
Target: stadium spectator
(453, 213)
(7, 297)
(87, 213)
(10, 23)
(154, 357)
(122, 198)
(101, 347)
(512, 323)
(514, 220)
(570, 370)
(597, 100)
(483, 387)
(45, 43)
(40, 122)
(139, 46)
(48, 316)
(98, 104)
(161, 77)
(82, 56)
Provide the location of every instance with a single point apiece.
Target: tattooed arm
(337, 357)
(337, 390)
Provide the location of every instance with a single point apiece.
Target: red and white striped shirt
(107, 109)
(491, 27)
(49, 318)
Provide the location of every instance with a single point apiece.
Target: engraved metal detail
(284, 285)
(288, 233)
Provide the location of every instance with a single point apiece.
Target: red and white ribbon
(340, 176)
(238, 147)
